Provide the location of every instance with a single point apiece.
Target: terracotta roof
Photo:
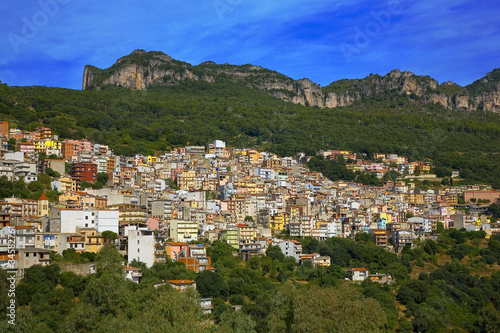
(43, 197)
(131, 267)
(180, 281)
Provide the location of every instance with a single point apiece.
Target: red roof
(43, 197)
(180, 281)
(127, 267)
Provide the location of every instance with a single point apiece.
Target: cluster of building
(162, 207)
(379, 163)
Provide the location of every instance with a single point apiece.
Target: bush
(237, 299)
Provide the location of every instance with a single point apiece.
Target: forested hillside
(452, 285)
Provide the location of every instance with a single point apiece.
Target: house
(248, 250)
(401, 238)
(132, 273)
(357, 274)
(196, 264)
(230, 236)
(84, 171)
(380, 278)
(379, 237)
(182, 285)
(175, 250)
(30, 257)
(67, 220)
(316, 259)
(206, 305)
(291, 248)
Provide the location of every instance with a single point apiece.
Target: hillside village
(166, 207)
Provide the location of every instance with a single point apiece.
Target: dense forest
(197, 112)
(449, 285)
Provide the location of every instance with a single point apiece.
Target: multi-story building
(488, 196)
(175, 250)
(183, 231)
(230, 236)
(4, 131)
(161, 209)
(68, 220)
(84, 171)
(141, 246)
(290, 248)
(379, 237)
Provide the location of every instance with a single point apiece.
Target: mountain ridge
(142, 70)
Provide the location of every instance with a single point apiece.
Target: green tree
(275, 253)
(109, 236)
(211, 284)
(106, 289)
(11, 144)
(52, 173)
(102, 178)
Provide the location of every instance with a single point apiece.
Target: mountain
(142, 70)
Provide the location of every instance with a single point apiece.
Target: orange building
(492, 196)
(4, 131)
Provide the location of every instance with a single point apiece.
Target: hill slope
(196, 112)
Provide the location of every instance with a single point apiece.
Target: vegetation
(448, 285)
(33, 190)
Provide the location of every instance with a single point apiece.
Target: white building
(291, 248)
(67, 220)
(357, 274)
(141, 246)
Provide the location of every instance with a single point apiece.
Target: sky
(48, 42)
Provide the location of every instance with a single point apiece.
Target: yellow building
(387, 217)
(93, 239)
(43, 205)
(246, 233)
(186, 180)
(130, 214)
(278, 221)
(69, 184)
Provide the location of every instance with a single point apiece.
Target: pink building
(154, 224)
(176, 249)
(26, 147)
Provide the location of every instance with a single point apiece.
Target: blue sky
(47, 42)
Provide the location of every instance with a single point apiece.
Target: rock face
(141, 70)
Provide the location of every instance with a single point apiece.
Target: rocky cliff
(141, 70)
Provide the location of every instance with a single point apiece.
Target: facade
(183, 231)
(68, 220)
(84, 171)
(132, 273)
(141, 246)
(489, 196)
(175, 250)
(379, 237)
(182, 285)
(357, 274)
(291, 248)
